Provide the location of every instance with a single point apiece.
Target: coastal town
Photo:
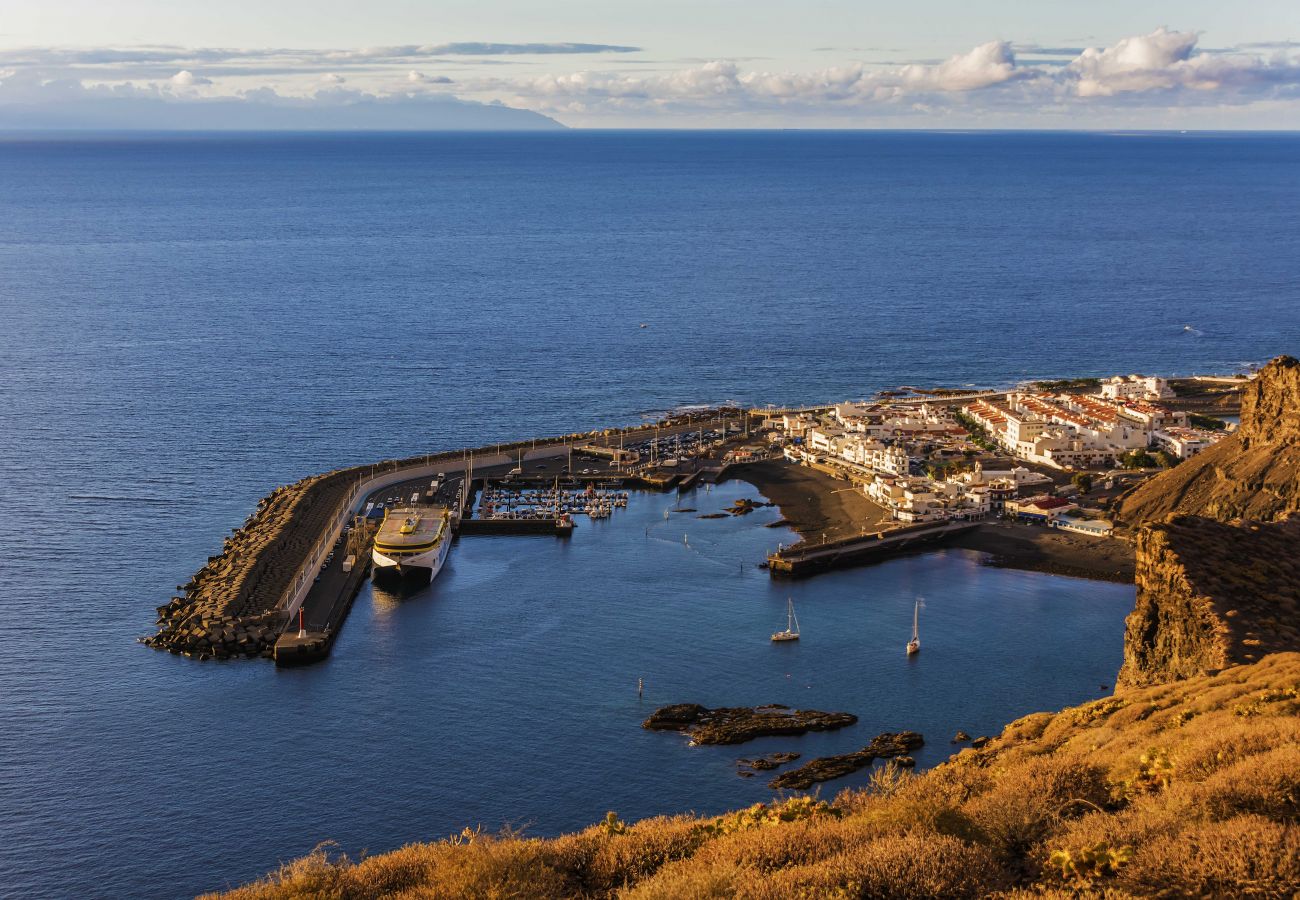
(1048, 453)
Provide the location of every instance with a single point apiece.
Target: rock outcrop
(1217, 581)
(1253, 474)
(737, 724)
(824, 768)
(1211, 595)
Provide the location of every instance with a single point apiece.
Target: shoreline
(813, 503)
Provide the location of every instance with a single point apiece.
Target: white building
(1184, 443)
(1136, 387)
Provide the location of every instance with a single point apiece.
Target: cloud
(477, 48)
(159, 54)
(1159, 69)
(420, 78)
(185, 78)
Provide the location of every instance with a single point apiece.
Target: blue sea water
(186, 322)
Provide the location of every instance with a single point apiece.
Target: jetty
(278, 590)
(807, 558)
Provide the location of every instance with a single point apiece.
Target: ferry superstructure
(412, 541)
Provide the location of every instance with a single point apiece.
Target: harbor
(860, 482)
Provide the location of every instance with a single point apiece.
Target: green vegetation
(1138, 459)
(1067, 384)
(1209, 423)
(1166, 459)
(978, 436)
(1118, 798)
(1083, 481)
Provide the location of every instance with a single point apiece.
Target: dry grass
(1181, 790)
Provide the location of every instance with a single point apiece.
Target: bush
(1248, 856)
(1267, 784)
(903, 867)
(1030, 800)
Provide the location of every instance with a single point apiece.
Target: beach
(814, 504)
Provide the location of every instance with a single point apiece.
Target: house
(1079, 525)
(1042, 509)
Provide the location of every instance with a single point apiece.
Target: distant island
(271, 112)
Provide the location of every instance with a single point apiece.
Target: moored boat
(791, 632)
(412, 542)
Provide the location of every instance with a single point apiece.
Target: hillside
(1253, 474)
(1184, 789)
(1199, 609)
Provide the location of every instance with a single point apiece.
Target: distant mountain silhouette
(343, 112)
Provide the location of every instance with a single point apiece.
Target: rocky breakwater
(1211, 595)
(889, 745)
(737, 724)
(231, 606)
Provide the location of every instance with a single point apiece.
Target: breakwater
(240, 601)
(808, 558)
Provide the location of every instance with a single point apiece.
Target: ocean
(189, 321)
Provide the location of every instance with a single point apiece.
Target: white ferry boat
(412, 541)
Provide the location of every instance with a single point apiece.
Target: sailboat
(791, 632)
(914, 645)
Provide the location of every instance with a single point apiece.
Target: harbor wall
(239, 601)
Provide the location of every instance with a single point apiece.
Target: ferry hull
(422, 566)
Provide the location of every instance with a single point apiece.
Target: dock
(274, 591)
(808, 559)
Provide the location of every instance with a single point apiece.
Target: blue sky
(671, 63)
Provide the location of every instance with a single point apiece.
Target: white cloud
(1158, 72)
(420, 78)
(185, 78)
(1161, 69)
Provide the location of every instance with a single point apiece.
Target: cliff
(1252, 474)
(1216, 579)
(1210, 595)
(1183, 790)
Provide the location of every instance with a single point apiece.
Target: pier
(808, 559)
(275, 591)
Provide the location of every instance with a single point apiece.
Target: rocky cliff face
(1217, 578)
(1254, 474)
(1270, 404)
(1211, 595)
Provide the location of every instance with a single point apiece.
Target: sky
(1143, 64)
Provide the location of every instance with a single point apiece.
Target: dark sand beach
(814, 503)
(1034, 547)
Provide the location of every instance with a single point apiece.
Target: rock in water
(737, 724)
(885, 746)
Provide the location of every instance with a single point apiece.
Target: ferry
(412, 541)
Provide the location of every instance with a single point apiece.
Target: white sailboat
(914, 645)
(791, 632)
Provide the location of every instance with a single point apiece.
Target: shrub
(1085, 865)
(1248, 856)
(1154, 772)
(1267, 784)
(902, 867)
(761, 815)
(1030, 800)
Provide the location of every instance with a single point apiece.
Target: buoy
(640, 685)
